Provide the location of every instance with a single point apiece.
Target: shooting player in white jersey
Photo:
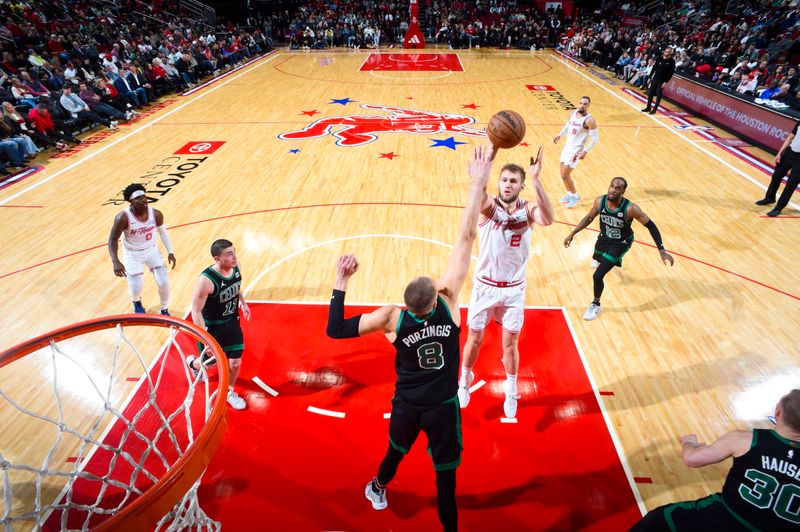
(498, 290)
(580, 127)
(137, 225)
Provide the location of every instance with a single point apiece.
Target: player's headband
(137, 194)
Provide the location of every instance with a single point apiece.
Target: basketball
(506, 129)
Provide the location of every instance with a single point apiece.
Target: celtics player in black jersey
(616, 236)
(762, 489)
(425, 336)
(216, 303)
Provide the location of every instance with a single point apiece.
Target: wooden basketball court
(705, 346)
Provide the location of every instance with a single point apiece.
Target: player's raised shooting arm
(479, 169)
(202, 290)
(697, 454)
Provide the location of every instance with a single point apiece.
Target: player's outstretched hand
(556, 139)
(535, 169)
(172, 260)
(346, 266)
(480, 166)
(666, 257)
(568, 240)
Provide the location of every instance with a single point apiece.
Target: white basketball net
(138, 445)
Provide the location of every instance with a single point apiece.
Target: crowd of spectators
(68, 66)
(469, 24)
(460, 24)
(753, 51)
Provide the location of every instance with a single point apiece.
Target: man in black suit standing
(661, 74)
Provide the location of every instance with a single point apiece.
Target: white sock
(462, 382)
(512, 383)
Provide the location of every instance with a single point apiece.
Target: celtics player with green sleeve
(762, 489)
(215, 304)
(616, 236)
(425, 336)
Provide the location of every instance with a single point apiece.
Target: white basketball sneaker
(510, 404)
(573, 200)
(566, 197)
(592, 312)
(236, 402)
(463, 391)
(375, 496)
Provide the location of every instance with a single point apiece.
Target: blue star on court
(447, 143)
(340, 101)
(295, 150)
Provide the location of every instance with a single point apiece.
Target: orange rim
(144, 512)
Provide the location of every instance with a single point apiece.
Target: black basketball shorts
(441, 423)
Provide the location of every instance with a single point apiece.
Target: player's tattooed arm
(583, 224)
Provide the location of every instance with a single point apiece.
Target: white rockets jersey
(576, 132)
(139, 235)
(505, 243)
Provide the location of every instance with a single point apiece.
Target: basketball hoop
(137, 464)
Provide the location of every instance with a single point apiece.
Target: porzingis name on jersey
(773, 464)
(427, 332)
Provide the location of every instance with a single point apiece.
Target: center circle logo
(200, 147)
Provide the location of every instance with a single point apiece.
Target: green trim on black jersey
(400, 321)
(211, 278)
(622, 203)
(787, 441)
(424, 318)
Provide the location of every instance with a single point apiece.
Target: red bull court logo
(358, 130)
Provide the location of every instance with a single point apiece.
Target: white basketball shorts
(569, 156)
(135, 261)
(505, 305)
